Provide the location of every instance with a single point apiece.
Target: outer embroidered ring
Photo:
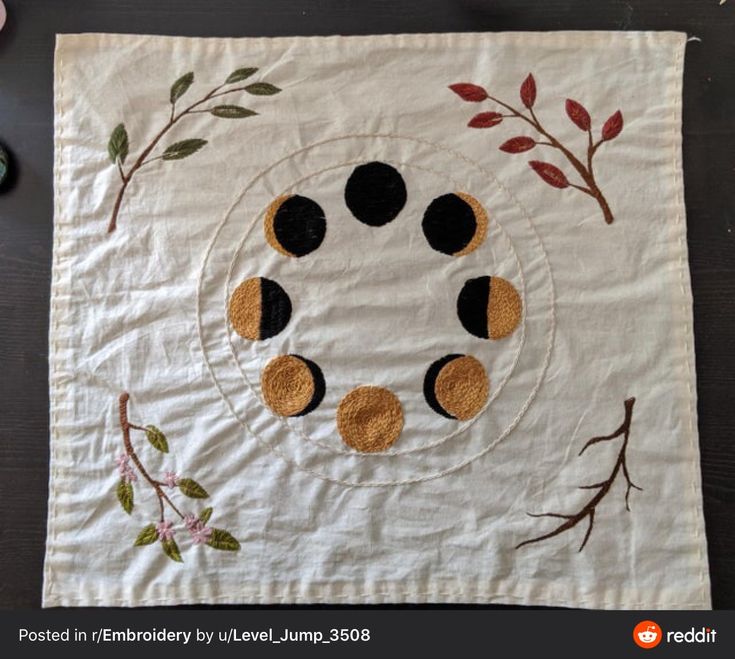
(360, 473)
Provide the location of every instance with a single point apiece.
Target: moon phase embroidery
(375, 193)
(489, 307)
(295, 225)
(456, 386)
(259, 309)
(370, 418)
(455, 224)
(292, 385)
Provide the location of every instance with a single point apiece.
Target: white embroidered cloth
(364, 303)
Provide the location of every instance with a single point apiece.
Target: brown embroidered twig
(163, 530)
(603, 487)
(548, 172)
(118, 145)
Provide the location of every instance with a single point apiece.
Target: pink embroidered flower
(199, 532)
(165, 530)
(124, 469)
(170, 478)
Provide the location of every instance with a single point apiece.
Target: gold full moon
(370, 419)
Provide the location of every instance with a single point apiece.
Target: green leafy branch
(118, 147)
(163, 530)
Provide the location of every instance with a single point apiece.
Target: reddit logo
(647, 634)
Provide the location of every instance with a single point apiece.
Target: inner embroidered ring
(370, 418)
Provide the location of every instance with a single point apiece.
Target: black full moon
(375, 193)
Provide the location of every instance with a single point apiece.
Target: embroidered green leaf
(232, 112)
(147, 536)
(156, 438)
(171, 549)
(221, 539)
(125, 496)
(183, 149)
(262, 89)
(181, 86)
(191, 488)
(240, 74)
(205, 515)
(117, 147)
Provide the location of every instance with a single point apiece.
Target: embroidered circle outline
(461, 428)
(547, 276)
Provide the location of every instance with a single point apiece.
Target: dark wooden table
(26, 212)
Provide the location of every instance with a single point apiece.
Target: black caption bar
(406, 633)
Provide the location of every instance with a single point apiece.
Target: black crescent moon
(430, 380)
(455, 224)
(320, 386)
(295, 225)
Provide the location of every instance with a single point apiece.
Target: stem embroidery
(603, 487)
(549, 173)
(163, 530)
(118, 146)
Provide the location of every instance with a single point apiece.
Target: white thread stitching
(386, 597)
(454, 468)
(52, 527)
(687, 324)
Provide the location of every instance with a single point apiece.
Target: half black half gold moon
(456, 386)
(292, 385)
(489, 307)
(455, 224)
(295, 225)
(259, 309)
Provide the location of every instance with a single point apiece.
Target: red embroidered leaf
(612, 126)
(485, 120)
(528, 91)
(549, 173)
(518, 144)
(578, 114)
(469, 92)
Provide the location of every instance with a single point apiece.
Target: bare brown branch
(587, 512)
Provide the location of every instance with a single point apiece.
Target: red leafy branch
(549, 173)
(603, 487)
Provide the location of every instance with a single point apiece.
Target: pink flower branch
(549, 173)
(163, 530)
